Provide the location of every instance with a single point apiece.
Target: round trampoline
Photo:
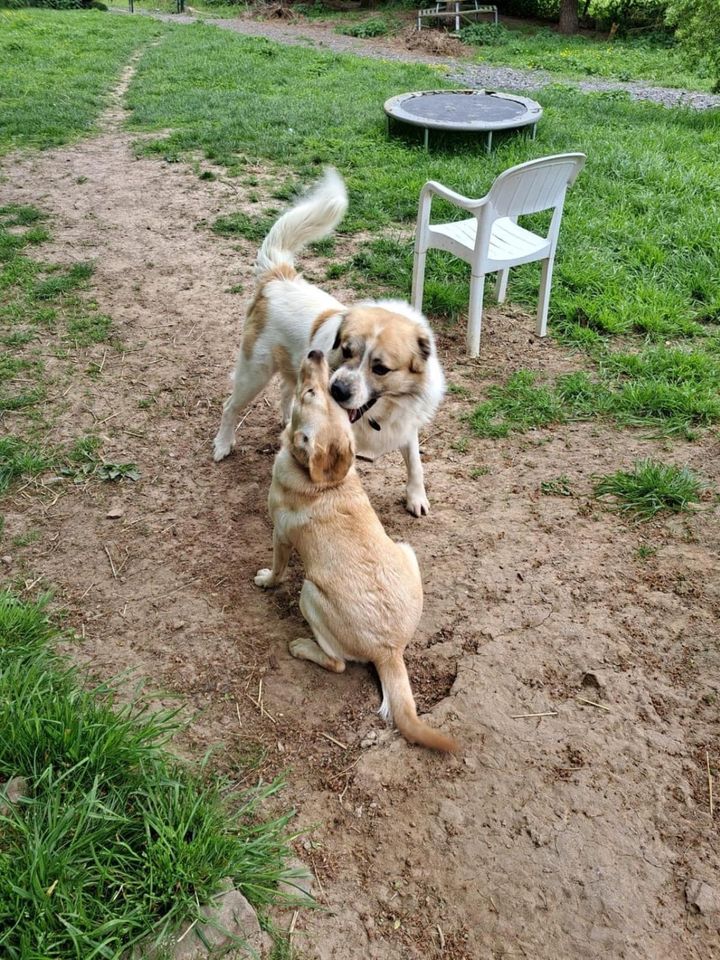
(468, 111)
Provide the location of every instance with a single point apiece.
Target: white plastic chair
(491, 240)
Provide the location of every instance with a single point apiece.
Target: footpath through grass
(117, 842)
(56, 69)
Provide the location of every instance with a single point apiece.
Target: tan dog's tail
(399, 705)
(313, 217)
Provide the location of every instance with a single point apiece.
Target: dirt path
(569, 835)
(431, 47)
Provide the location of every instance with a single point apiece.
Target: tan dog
(362, 595)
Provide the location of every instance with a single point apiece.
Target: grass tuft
(650, 488)
(519, 405)
(19, 458)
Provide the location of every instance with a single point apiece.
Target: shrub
(485, 34)
(698, 29)
(374, 27)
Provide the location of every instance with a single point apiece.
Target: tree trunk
(569, 16)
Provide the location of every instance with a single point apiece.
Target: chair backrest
(536, 185)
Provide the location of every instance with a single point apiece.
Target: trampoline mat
(463, 108)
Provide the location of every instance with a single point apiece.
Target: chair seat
(510, 244)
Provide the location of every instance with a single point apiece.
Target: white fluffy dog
(384, 368)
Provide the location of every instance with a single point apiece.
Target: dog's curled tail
(399, 704)
(313, 217)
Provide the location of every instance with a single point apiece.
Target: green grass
(638, 252)
(651, 488)
(518, 406)
(118, 840)
(656, 60)
(671, 391)
(56, 69)
(253, 228)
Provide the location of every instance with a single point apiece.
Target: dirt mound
(436, 42)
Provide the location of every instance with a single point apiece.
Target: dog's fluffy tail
(312, 217)
(399, 705)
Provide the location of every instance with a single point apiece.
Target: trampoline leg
(488, 141)
(427, 138)
(533, 132)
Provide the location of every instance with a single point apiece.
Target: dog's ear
(331, 464)
(338, 335)
(424, 349)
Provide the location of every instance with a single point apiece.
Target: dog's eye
(379, 369)
(346, 352)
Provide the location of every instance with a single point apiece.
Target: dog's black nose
(315, 355)
(339, 391)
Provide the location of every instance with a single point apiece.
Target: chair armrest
(432, 187)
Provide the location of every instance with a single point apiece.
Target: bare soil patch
(570, 835)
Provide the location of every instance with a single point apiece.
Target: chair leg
(477, 285)
(544, 301)
(418, 279)
(501, 285)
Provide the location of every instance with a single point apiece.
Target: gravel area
(471, 75)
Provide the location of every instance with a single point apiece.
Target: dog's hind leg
(324, 650)
(248, 381)
(305, 648)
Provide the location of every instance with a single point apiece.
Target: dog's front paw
(222, 446)
(264, 578)
(417, 504)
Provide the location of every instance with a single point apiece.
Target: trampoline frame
(533, 112)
